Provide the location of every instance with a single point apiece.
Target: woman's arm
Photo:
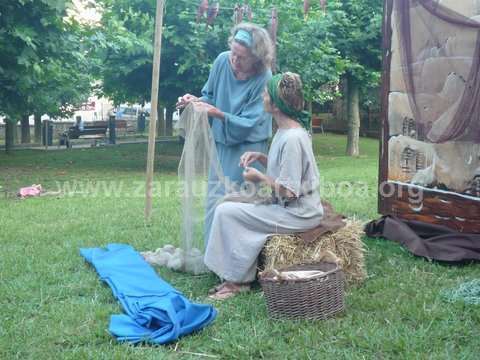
(288, 184)
(252, 119)
(254, 175)
(278, 189)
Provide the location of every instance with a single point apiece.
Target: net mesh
(439, 48)
(434, 93)
(199, 173)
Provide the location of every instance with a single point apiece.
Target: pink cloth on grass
(34, 190)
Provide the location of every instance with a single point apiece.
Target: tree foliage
(49, 60)
(355, 28)
(188, 49)
(45, 64)
(321, 47)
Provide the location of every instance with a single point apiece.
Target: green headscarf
(303, 117)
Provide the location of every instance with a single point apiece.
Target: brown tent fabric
(430, 241)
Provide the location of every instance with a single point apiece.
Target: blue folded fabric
(155, 312)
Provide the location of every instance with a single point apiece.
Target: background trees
(188, 50)
(45, 65)
(355, 27)
(50, 61)
(343, 42)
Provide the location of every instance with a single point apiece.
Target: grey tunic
(239, 230)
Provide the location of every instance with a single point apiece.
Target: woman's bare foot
(216, 288)
(228, 289)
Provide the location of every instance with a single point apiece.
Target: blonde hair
(290, 90)
(262, 47)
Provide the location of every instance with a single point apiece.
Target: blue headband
(244, 37)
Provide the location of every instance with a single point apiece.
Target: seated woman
(239, 230)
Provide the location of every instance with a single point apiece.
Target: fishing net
(468, 292)
(434, 93)
(435, 69)
(202, 183)
(203, 186)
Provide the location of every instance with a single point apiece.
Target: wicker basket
(314, 298)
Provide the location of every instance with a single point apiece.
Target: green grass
(53, 306)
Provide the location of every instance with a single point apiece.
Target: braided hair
(290, 91)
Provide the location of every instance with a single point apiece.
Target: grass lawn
(53, 306)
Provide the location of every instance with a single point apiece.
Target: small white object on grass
(195, 252)
(194, 262)
(175, 262)
(169, 248)
(176, 259)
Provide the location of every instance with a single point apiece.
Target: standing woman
(233, 99)
(240, 230)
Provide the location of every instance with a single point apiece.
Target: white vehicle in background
(93, 110)
(126, 118)
(127, 113)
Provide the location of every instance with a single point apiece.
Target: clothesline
(242, 6)
(189, 12)
(210, 10)
(196, 4)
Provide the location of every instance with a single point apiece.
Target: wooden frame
(410, 202)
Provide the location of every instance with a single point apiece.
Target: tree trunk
(9, 138)
(141, 122)
(353, 118)
(310, 110)
(38, 128)
(25, 130)
(344, 104)
(15, 132)
(340, 109)
(160, 121)
(169, 120)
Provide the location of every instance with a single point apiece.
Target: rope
(196, 3)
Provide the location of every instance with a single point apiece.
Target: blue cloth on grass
(155, 311)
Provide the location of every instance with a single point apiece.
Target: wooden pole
(273, 29)
(9, 139)
(153, 112)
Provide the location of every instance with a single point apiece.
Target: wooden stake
(153, 111)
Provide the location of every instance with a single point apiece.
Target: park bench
(96, 133)
(121, 127)
(124, 127)
(318, 122)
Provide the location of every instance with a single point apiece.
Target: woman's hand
(185, 100)
(253, 175)
(210, 109)
(251, 156)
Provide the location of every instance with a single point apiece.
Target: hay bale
(345, 243)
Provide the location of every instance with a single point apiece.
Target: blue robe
(246, 127)
(155, 312)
